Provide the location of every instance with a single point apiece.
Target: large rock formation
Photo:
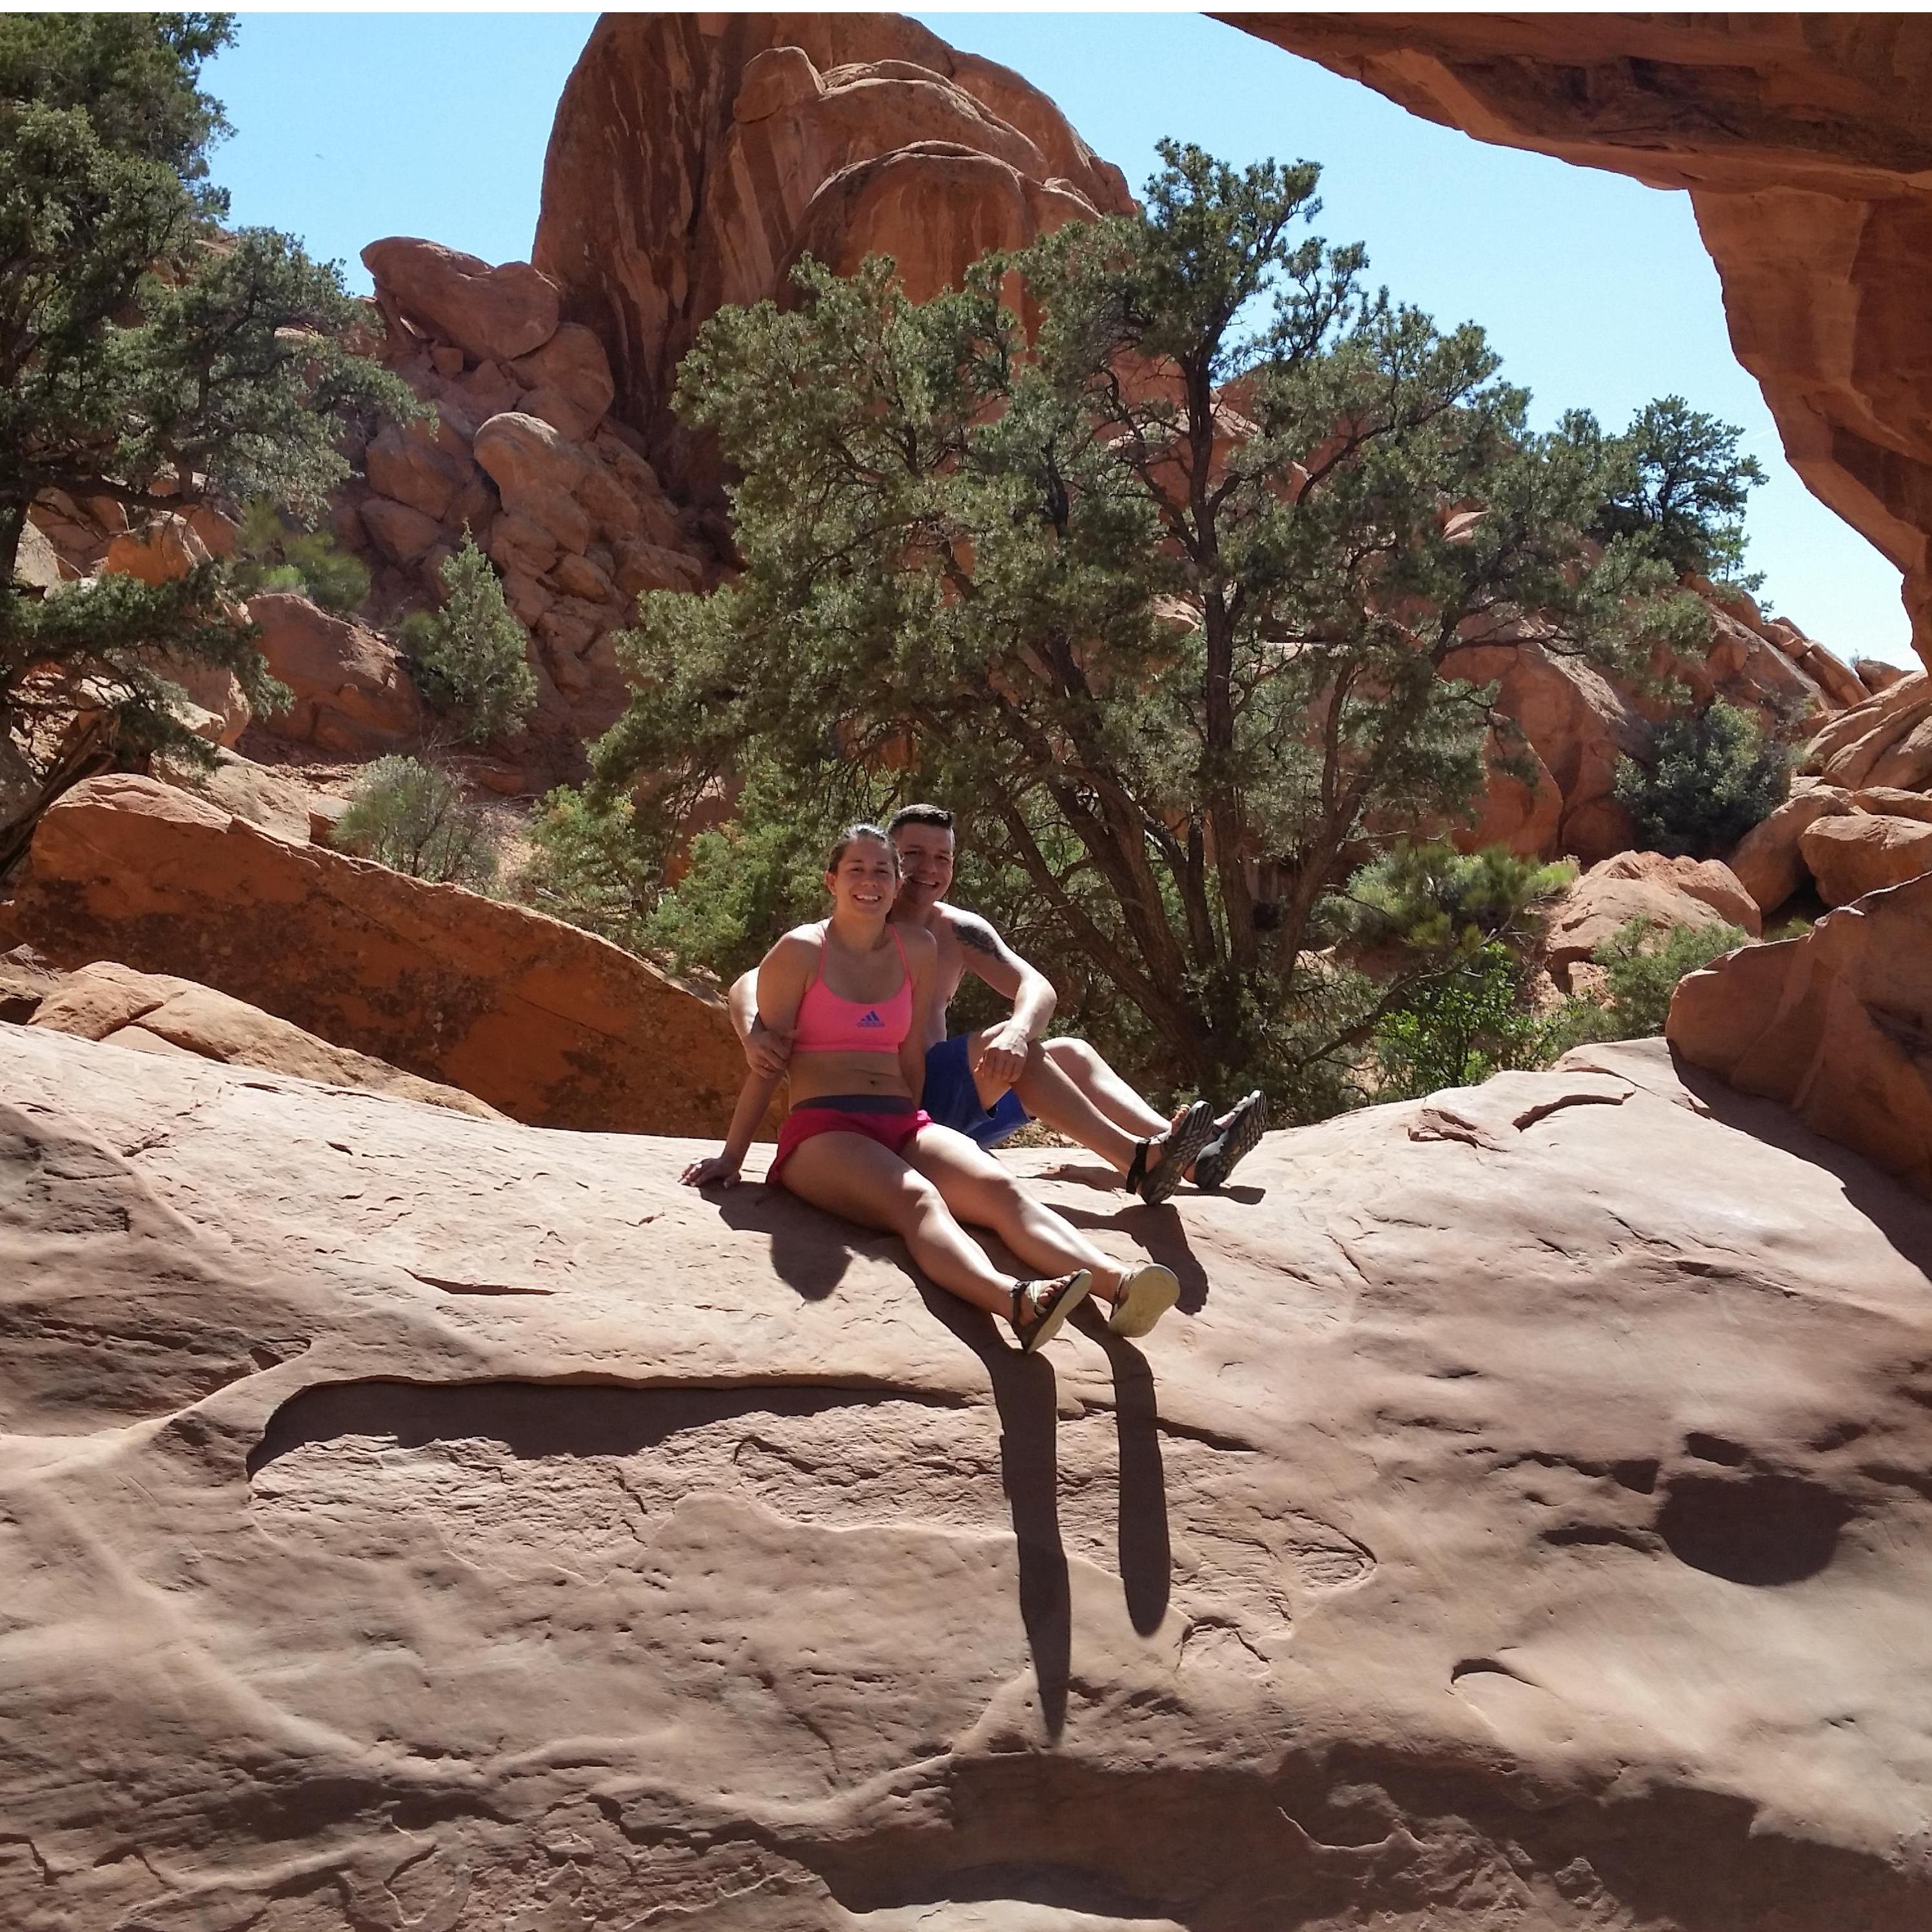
(1806, 142)
(548, 1023)
(421, 1523)
(696, 156)
(1836, 1025)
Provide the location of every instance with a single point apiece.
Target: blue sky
(1596, 292)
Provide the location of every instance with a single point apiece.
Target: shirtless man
(988, 1084)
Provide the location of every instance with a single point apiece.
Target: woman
(853, 991)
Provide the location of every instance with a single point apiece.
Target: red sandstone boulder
(262, 795)
(695, 156)
(168, 549)
(1662, 892)
(1579, 724)
(158, 1013)
(1834, 1024)
(1861, 852)
(352, 694)
(1768, 863)
(572, 363)
(1891, 803)
(497, 313)
(544, 1021)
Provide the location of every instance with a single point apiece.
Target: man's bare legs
(1102, 1088)
(1068, 1086)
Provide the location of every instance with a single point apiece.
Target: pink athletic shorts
(892, 1130)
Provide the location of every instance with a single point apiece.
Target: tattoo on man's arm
(981, 937)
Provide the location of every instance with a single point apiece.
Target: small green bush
(1456, 1028)
(1643, 967)
(270, 556)
(591, 866)
(413, 818)
(1715, 776)
(1430, 896)
(469, 656)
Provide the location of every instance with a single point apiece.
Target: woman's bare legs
(853, 1175)
(977, 1188)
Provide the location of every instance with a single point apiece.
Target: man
(988, 1084)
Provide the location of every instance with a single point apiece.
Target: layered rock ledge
(414, 1521)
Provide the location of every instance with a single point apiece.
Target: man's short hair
(920, 815)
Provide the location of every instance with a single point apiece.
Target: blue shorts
(953, 1101)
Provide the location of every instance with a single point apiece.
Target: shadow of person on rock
(1142, 1547)
(1025, 1394)
(811, 1250)
(1163, 1233)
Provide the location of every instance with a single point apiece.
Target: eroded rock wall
(694, 157)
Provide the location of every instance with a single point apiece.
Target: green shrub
(1715, 776)
(592, 866)
(1430, 895)
(413, 818)
(1455, 1028)
(1643, 967)
(469, 656)
(270, 556)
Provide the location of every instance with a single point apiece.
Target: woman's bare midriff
(814, 1075)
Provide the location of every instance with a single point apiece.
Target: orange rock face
(696, 157)
(546, 1023)
(1806, 143)
(1663, 892)
(1860, 852)
(351, 694)
(1835, 1024)
(421, 1522)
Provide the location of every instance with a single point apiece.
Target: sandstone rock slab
(108, 1002)
(462, 1524)
(1645, 885)
(1862, 852)
(1837, 1025)
(496, 314)
(351, 694)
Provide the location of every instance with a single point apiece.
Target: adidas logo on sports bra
(872, 1019)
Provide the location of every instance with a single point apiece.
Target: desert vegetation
(1160, 593)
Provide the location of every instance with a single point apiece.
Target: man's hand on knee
(1002, 1059)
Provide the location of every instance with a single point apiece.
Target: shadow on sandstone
(1904, 1220)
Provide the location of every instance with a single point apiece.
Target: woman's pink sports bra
(827, 1024)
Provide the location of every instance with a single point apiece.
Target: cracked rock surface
(416, 1522)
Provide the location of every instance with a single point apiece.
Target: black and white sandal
(1041, 1307)
(1193, 1128)
(1232, 1143)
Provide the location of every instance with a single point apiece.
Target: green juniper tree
(471, 654)
(1678, 479)
(1158, 597)
(146, 357)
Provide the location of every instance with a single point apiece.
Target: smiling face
(865, 879)
(925, 859)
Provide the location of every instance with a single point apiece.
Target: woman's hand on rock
(713, 1167)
